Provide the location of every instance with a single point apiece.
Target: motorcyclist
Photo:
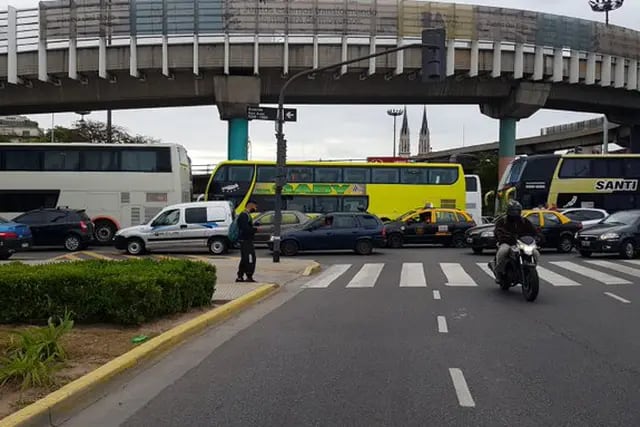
(509, 228)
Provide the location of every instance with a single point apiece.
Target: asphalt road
(417, 336)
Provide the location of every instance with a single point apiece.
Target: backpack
(234, 230)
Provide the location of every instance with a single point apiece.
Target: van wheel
(289, 248)
(218, 246)
(135, 246)
(104, 232)
(72, 243)
(364, 247)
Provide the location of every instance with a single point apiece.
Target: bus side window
(240, 173)
(355, 204)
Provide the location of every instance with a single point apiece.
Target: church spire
(405, 141)
(424, 145)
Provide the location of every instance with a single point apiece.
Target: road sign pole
(281, 151)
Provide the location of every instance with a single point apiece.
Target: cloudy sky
(343, 131)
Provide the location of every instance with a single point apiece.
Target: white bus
(474, 197)
(118, 185)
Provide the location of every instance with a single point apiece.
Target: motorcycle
(520, 269)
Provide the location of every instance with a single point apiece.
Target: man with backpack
(246, 231)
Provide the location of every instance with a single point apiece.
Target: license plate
(586, 244)
(25, 245)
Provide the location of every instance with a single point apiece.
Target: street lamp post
(394, 112)
(605, 6)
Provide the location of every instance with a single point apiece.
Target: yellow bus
(384, 189)
(607, 182)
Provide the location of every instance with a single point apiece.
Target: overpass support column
(233, 94)
(525, 99)
(507, 144)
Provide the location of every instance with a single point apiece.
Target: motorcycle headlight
(610, 236)
(487, 234)
(527, 249)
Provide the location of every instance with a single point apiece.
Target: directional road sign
(267, 113)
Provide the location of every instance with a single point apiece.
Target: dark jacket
(246, 230)
(509, 231)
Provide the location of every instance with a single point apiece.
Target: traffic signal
(434, 54)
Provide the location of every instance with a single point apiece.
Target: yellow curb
(65, 397)
(96, 255)
(312, 268)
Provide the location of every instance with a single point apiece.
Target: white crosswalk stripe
(456, 276)
(485, 267)
(327, 277)
(617, 267)
(366, 277)
(633, 261)
(596, 275)
(412, 275)
(555, 279)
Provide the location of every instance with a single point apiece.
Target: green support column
(238, 139)
(507, 147)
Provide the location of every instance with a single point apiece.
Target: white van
(185, 226)
(474, 197)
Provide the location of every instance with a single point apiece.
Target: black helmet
(514, 209)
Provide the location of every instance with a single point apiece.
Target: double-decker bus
(118, 185)
(607, 182)
(384, 189)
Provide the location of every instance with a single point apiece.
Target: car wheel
(72, 243)
(395, 240)
(364, 247)
(4, 257)
(586, 254)
(135, 246)
(218, 246)
(566, 245)
(628, 249)
(477, 251)
(289, 248)
(104, 232)
(458, 241)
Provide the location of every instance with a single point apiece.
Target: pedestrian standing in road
(246, 232)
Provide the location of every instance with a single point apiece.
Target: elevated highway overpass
(98, 54)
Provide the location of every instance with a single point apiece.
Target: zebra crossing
(458, 275)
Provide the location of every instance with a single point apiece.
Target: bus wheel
(218, 246)
(566, 244)
(395, 240)
(135, 246)
(628, 249)
(104, 232)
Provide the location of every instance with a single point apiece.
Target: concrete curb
(63, 400)
(312, 268)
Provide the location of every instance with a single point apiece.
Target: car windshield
(621, 218)
(406, 214)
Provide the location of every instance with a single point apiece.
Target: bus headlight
(487, 234)
(610, 236)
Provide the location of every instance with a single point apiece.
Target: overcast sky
(343, 131)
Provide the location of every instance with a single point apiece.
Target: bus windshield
(513, 173)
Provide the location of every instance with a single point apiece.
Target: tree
(96, 133)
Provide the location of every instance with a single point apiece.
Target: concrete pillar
(507, 145)
(634, 140)
(238, 139)
(233, 95)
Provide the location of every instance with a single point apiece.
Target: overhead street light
(605, 6)
(394, 112)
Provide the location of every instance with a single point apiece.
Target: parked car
(71, 228)
(14, 238)
(360, 232)
(196, 225)
(264, 223)
(587, 216)
(618, 233)
(430, 225)
(556, 230)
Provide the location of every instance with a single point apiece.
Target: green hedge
(99, 291)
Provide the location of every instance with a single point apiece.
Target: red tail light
(8, 235)
(83, 226)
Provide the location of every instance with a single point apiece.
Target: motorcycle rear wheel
(531, 285)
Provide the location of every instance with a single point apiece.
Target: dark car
(70, 228)
(430, 225)
(360, 232)
(557, 231)
(264, 223)
(14, 237)
(618, 233)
